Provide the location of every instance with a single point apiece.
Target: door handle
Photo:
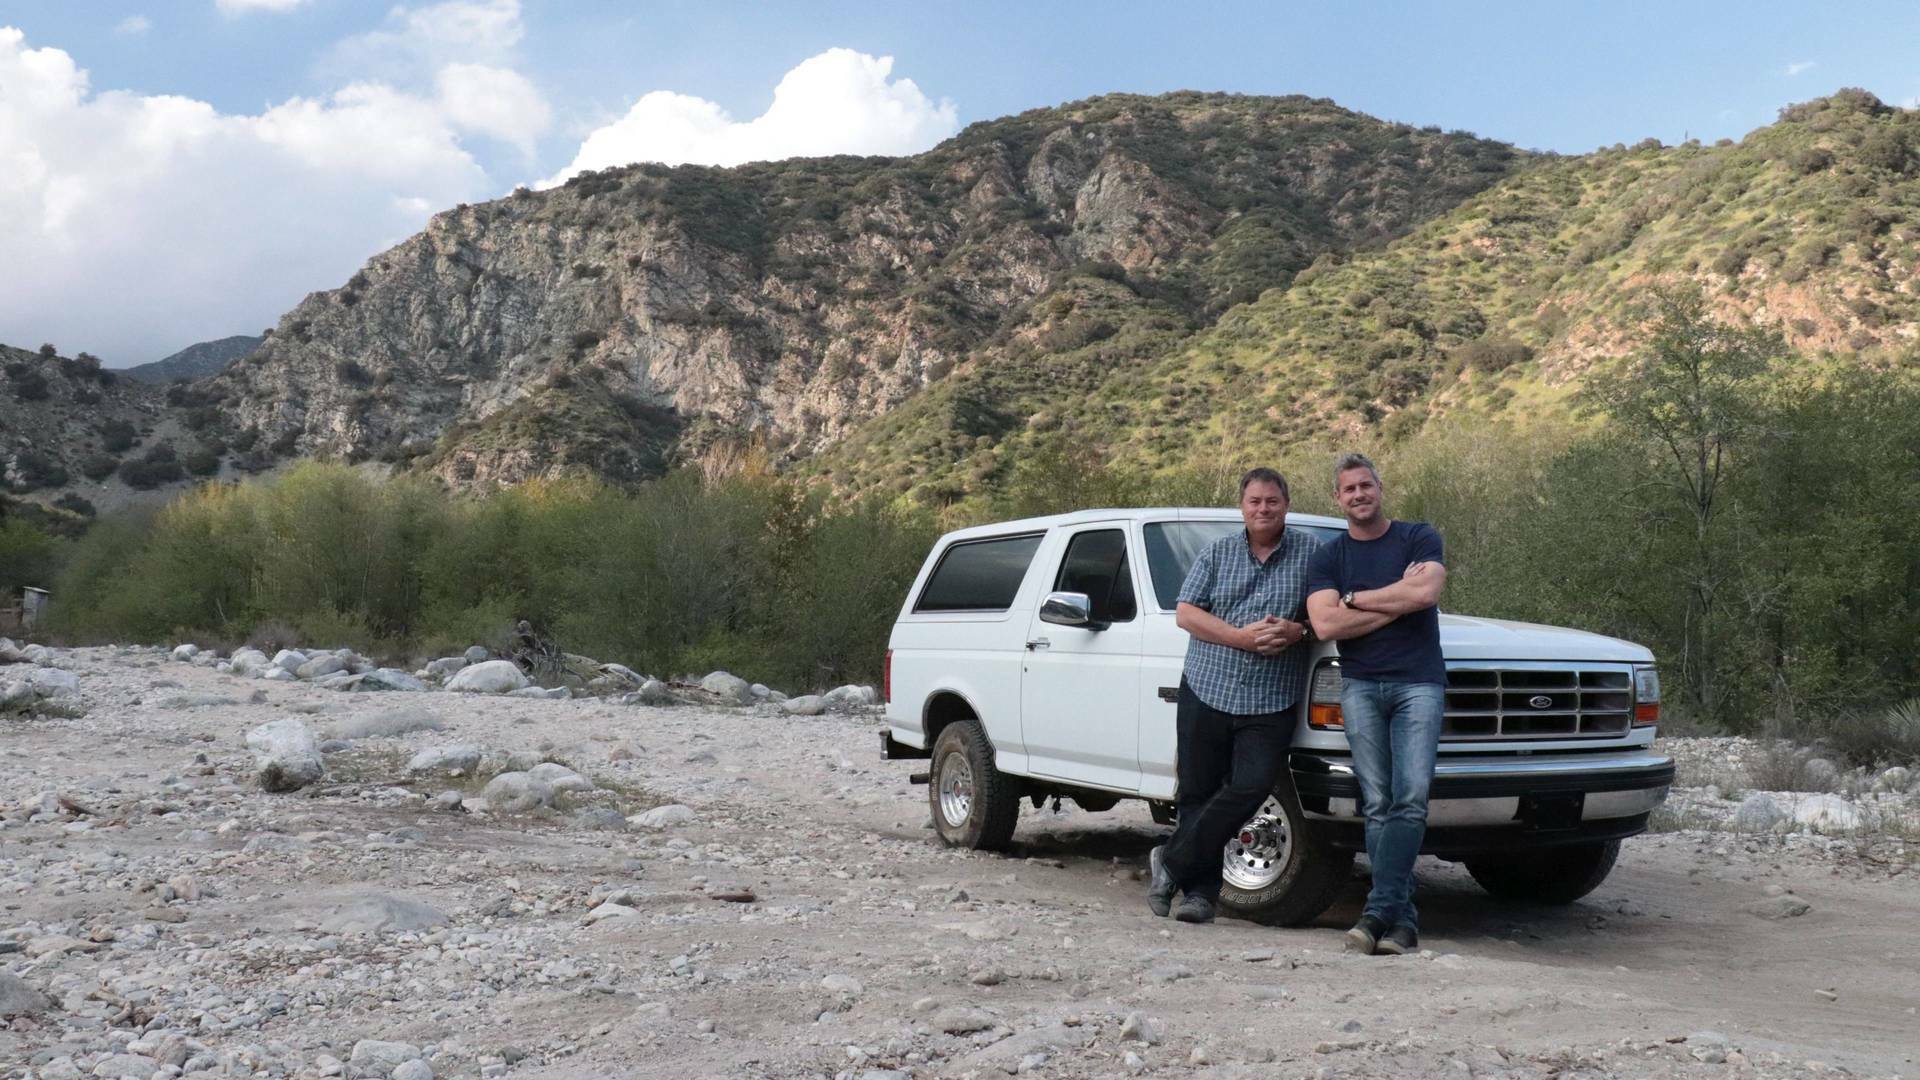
(1039, 643)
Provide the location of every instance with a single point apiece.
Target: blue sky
(254, 150)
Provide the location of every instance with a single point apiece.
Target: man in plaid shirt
(1244, 603)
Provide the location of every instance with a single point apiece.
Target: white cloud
(241, 7)
(1800, 67)
(497, 102)
(429, 38)
(839, 102)
(133, 26)
(136, 224)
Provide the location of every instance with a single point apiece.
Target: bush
(159, 465)
(37, 470)
(48, 351)
(118, 436)
(27, 557)
(98, 466)
(30, 386)
(202, 462)
(75, 503)
(1889, 736)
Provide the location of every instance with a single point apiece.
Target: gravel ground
(160, 915)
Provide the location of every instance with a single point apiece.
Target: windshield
(1173, 545)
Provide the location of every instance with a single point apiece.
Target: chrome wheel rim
(1257, 855)
(956, 789)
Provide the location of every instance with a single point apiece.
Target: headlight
(1646, 697)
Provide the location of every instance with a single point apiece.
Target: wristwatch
(1346, 599)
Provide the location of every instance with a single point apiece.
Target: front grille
(1529, 703)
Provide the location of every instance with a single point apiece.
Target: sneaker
(1195, 909)
(1161, 888)
(1400, 940)
(1365, 935)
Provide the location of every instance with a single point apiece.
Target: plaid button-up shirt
(1227, 581)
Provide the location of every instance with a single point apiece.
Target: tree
(1690, 398)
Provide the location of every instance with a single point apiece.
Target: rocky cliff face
(644, 315)
(66, 423)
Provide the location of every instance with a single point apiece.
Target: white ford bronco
(1039, 659)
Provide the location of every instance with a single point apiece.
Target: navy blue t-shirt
(1408, 648)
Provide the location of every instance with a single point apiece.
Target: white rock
(652, 692)
(1896, 779)
(804, 705)
(1758, 813)
(542, 693)
(1820, 773)
(386, 723)
(16, 695)
(49, 682)
(185, 652)
(19, 999)
(661, 817)
(279, 674)
(248, 662)
(383, 915)
(842, 983)
(844, 698)
(372, 1057)
(435, 759)
(324, 664)
(445, 666)
(388, 679)
(488, 677)
(728, 687)
(286, 756)
(477, 654)
(412, 1070)
(1827, 813)
(610, 910)
(559, 777)
(288, 660)
(514, 792)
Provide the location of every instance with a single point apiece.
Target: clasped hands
(1272, 635)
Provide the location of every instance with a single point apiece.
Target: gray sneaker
(1400, 940)
(1365, 935)
(1161, 888)
(1195, 909)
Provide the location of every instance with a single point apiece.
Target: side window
(1096, 564)
(979, 575)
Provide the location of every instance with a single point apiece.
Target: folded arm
(1331, 622)
(1418, 590)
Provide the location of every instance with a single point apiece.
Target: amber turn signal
(1325, 716)
(1646, 714)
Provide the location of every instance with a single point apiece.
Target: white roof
(1149, 513)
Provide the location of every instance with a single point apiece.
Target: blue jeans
(1394, 730)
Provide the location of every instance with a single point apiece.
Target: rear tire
(1557, 875)
(1287, 874)
(974, 804)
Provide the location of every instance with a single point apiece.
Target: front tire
(1277, 869)
(974, 804)
(1558, 875)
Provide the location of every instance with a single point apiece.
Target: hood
(1464, 637)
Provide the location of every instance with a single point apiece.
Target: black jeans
(1226, 766)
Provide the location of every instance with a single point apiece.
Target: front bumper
(1481, 803)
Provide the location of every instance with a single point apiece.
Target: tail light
(1646, 697)
(1323, 700)
(886, 679)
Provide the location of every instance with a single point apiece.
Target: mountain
(1158, 278)
(196, 361)
(69, 424)
(643, 315)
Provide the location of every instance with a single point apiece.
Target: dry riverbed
(160, 915)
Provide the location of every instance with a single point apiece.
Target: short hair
(1352, 461)
(1263, 475)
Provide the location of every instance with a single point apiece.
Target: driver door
(1080, 686)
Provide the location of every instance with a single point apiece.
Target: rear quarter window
(979, 575)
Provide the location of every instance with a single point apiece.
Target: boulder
(1758, 813)
(542, 693)
(663, 817)
(288, 660)
(760, 691)
(652, 692)
(372, 1057)
(477, 654)
(50, 682)
(248, 662)
(185, 653)
(383, 915)
(1827, 814)
(445, 666)
(16, 695)
(1895, 780)
(444, 759)
(37, 654)
(387, 678)
(729, 688)
(279, 674)
(516, 792)
(559, 777)
(386, 724)
(805, 705)
(488, 677)
(19, 999)
(287, 758)
(324, 664)
(850, 697)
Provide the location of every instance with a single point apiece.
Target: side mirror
(1069, 609)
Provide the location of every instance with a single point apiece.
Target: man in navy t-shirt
(1375, 591)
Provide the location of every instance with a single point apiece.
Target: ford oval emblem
(1540, 701)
